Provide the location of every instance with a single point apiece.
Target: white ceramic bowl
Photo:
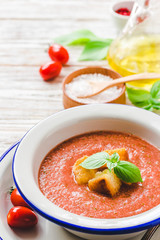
(68, 123)
(120, 20)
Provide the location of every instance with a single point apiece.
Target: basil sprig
(148, 100)
(126, 171)
(95, 48)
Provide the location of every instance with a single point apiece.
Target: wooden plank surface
(26, 30)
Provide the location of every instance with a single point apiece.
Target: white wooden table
(26, 30)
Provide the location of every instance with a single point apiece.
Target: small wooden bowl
(69, 102)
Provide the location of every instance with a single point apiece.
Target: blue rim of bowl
(8, 150)
(99, 231)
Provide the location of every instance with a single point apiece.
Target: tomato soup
(57, 182)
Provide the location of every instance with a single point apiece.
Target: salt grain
(80, 86)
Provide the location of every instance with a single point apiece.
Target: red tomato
(17, 200)
(59, 53)
(21, 217)
(50, 70)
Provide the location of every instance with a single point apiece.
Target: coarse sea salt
(80, 86)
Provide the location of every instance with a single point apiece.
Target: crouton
(82, 175)
(105, 182)
(127, 183)
(123, 154)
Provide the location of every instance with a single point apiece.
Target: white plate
(44, 229)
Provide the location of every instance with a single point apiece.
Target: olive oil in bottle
(136, 54)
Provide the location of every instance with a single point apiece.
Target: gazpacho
(100, 189)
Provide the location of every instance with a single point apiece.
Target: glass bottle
(137, 48)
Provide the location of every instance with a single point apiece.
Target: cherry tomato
(59, 53)
(17, 200)
(50, 70)
(21, 217)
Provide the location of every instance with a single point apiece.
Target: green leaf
(111, 165)
(156, 107)
(145, 105)
(138, 95)
(144, 99)
(155, 90)
(115, 157)
(155, 101)
(95, 50)
(148, 107)
(79, 37)
(140, 98)
(128, 172)
(95, 161)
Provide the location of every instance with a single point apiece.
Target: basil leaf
(76, 38)
(155, 90)
(140, 98)
(138, 95)
(95, 161)
(95, 50)
(155, 101)
(144, 99)
(111, 165)
(148, 107)
(128, 172)
(145, 105)
(115, 157)
(156, 107)
(113, 161)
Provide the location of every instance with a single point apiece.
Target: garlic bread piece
(105, 182)
(82, 175)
